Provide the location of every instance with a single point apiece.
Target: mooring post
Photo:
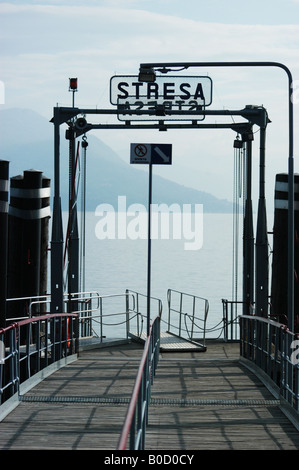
(279, 285)
(28, 207)
(4, 178)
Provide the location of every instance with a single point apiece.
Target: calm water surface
(112, 266)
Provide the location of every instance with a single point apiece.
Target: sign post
(157, 154)
(149, 250)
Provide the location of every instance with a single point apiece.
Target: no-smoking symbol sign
(140, 153)
(140, 150)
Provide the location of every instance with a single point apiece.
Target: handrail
(46, 299)
(99, 317)
(184, 315)
(32, 344)
(140, 311)
(137, 413)
(91, 302)
(95, 310)
(37, 299)
(275, 350)
(84, 297)
(231, 319)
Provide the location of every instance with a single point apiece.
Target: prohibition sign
(140, 150)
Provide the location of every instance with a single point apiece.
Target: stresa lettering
(167, 91)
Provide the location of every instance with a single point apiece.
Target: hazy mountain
(26, 140)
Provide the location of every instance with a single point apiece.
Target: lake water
(114, 265)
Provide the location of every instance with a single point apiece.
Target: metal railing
(112, 312)
(134, 427)
(124, 312)
(231, 328)
(83, 303)
(138, 312)
(26, 307)
(88, 305)
(187, 315)
(275, 350)
(31, 345)
(97, 313)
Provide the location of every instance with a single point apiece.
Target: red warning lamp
(73, 84)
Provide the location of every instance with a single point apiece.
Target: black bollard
(44, 241)
(29, 205)
(4, 183)
(279, 287)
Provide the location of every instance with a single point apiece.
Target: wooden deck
(200, 400)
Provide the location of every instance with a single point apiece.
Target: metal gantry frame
(147, 73)
(253, 115)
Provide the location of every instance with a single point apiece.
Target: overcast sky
(43, 43)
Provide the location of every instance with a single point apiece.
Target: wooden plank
(107, 373)
(220, 428)
(199, 401)
(62, 426)
(243, 416)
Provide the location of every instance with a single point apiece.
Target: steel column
(248, 238)
(261, 248)
(57, 230)
(73, 235)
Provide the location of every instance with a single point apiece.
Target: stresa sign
(179, 93)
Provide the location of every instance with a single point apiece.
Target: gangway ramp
(199, 401)
(170, 342)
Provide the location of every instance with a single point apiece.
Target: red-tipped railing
(275, 350)
(134, 428)
(30, 345)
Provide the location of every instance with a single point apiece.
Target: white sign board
(157, 154)
(177, 93)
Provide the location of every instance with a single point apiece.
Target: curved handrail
(35, 319)
(273, 348)
(21, 341)
(8, 328)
